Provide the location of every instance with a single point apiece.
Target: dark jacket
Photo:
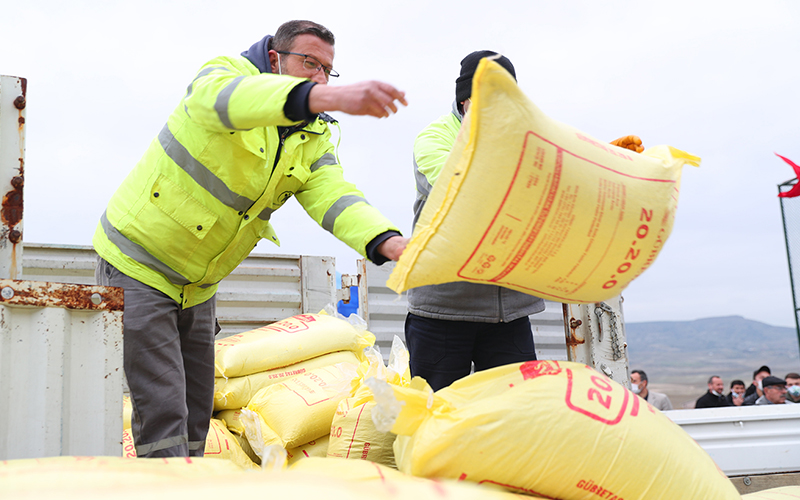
(709, 400)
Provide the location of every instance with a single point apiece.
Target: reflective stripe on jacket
(458, 301)
(201, 197)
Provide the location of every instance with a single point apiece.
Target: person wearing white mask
(639, 386)
(792, 388)
(736, 396)
(755, 386)
(714, 397)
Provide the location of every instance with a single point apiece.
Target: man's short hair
(712, 377)
(737, 382)
(792, 375)
(642, 375)
(288, 31)
(764, 368)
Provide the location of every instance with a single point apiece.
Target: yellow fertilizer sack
(128, 448)
(287, 342)
(781, 493)
(353, 434)
(236, 392)
(65, 477)
(246, 485)
(365, 472)
(234, 424)
(534, 205)
(297, 410)
(317, 448)
(220, 443)
(127, 411)
(546, 428)
(233, 420)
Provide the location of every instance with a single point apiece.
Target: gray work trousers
(168, 356)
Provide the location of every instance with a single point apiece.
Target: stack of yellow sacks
(247, 362)
(283, 381)
(543, 428)
(306, 348)
(325, 405)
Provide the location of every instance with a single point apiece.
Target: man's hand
(393, 247)
(631, 142)
(364, 98)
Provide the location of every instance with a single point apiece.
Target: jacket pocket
(182, 207)
(291, 180)
(173, 224)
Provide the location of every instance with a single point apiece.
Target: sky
(718, 79)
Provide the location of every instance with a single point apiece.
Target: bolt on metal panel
(595, 336)
(13, 92)
(61, 374)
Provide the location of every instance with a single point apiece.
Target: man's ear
(273, 61)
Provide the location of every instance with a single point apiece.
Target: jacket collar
(258, 54)
(456, 112)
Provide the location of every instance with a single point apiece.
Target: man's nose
(320, 77)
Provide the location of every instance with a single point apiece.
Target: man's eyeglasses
(311, 64)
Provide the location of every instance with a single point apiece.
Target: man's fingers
(391, 94)
(371, 98)
(397, 95)
(386, 103)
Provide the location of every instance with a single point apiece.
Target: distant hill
(687, 353)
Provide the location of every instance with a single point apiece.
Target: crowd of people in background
(765, 389)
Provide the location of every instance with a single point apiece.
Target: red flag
(795, 191)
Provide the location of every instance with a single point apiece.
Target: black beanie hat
(468, 66)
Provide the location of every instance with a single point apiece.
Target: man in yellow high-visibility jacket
(249, 133)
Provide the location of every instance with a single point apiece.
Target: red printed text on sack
(596, 397)
(533, 369)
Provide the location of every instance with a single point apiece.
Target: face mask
(635, 388)
(279, 65)
(760, 387)
(716, 393)
(794, 391)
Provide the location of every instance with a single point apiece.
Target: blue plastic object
(352, 308)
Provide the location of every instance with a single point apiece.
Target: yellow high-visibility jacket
(201, 197)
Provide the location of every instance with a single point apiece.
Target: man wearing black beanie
(451, 326)
(468, 66)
